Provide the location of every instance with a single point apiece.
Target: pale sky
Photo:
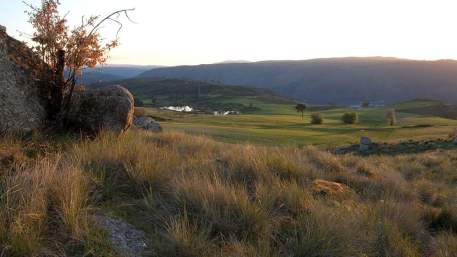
(175, 32)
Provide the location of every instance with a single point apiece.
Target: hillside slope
(205, 96)
(154, 87)
(337, 80)
(428, 108)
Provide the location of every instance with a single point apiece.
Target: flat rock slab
(124, 238)
(405, 147)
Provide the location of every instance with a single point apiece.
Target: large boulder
(147, 123)
(110, 108)
(22, 107)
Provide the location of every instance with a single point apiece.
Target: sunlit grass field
(280, 124)
(194, 197)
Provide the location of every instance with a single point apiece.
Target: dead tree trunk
(59, 85)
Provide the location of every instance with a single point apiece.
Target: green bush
(316, 118)
(350, 118)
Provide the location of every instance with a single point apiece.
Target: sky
(187, 32)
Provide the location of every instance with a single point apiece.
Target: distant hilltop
(233, 61)
(333, 80)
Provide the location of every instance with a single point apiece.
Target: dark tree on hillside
(300, 108)
(391, 117)
(365, 104)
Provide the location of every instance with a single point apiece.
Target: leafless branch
(109, 17)
(120, 26)
(30, 5)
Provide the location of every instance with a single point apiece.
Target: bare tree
(65, 50)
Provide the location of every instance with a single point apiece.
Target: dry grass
(196, 197)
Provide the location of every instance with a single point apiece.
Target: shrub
(391, 117)
(350, 118)
(445, 245)
(445, 220)
(316, 118)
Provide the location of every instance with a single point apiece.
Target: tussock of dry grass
(196, 197)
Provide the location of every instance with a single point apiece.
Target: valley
(280, 124)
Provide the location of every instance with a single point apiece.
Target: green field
(280, 124)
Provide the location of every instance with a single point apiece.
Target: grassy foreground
(197, 197)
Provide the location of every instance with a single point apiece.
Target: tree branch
(125, 11)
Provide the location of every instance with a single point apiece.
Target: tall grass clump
(44, 204)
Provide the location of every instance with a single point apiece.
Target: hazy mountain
(334, 80)
(112, 72)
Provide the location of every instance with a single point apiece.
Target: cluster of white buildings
(178, 108)
(216, 113)
(190, 109)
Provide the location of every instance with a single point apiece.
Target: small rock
(147, 123)
(365, 141)
(328, 187)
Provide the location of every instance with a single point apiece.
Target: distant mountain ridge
(112, 72)
(333, 80)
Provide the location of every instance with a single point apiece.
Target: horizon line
(286, 60)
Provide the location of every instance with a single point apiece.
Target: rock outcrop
(109, 108)
(147, 123)
(22, 105)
